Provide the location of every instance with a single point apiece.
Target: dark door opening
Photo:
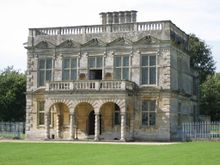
(95, 74)
(91, 123)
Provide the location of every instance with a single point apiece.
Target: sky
(201, 17)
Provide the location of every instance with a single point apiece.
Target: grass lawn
(192, 153)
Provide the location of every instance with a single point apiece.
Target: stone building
(120, 80)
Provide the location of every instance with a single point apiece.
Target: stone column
(72, 126)
(47, 126)
(58, 125)
(97, 127)
(123, 126)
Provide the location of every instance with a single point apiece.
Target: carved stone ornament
(94, 43)
(147, 40)
(120, 42)
(68, 44)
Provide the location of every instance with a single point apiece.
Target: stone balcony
(90, 85)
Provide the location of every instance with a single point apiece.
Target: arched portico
(75, 119)
(59, 119)
(113, 112)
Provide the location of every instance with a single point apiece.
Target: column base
(122, 140)
(96, 139)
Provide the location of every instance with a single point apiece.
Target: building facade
(120, 80)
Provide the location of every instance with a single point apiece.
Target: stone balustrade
(96, 85)
(94, 29)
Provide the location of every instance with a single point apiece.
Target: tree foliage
(210, 97)
(201, 57)
(12, 95)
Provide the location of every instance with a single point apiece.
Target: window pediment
(94, 43)
(69, 44)
(44, 45)
(147, 40)
(120, 42)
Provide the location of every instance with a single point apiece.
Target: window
(148, 69)
(121, 67)
(40, 110)
(95, 68)
(148, 112)
(69, 69)
(95, 62)
(117, 116)
(44, 71)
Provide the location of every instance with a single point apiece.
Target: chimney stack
(118, 17)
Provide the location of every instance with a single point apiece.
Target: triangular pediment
(69, 44)
(44, 45)
(147, 40)
(94, 43)
(120, 42)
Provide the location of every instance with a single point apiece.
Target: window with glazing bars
(69, 69)
(148, 112)
(121, 67)
(44, 71)
(148, 69)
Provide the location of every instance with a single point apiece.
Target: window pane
(152, 105)
(144, 75)
(125, 73)
(41, 78)
(144, 61)
(48, 75)
(144, 118)
(118, 61)
(145, 105)
(152, 118)
(117, 73)
(49, 63)
(41, 118)
(42, 64)
(73, 74)
(99, 62)
(92, 62)
(41, 106)
(153, 75)
(152, 60)
(66, 75)
(66, 63)
(126, 61)
(74, 63)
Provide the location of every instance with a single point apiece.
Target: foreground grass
(206, 153)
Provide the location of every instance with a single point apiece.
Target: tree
(210, 97)
(201, 57)
(12, 95)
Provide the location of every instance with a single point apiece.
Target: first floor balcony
(91, 85)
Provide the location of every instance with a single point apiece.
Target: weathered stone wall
(173, 87)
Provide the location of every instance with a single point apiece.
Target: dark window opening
(95, 74)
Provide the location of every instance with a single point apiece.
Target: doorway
(95, 74)
(91, 123)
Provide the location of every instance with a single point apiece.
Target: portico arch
(83, 112)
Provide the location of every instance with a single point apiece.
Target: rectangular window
(44, 71)
(148, 112)
(148, 69)
(69, 69)
(95, 62)
(121, 67)
(40, 112)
